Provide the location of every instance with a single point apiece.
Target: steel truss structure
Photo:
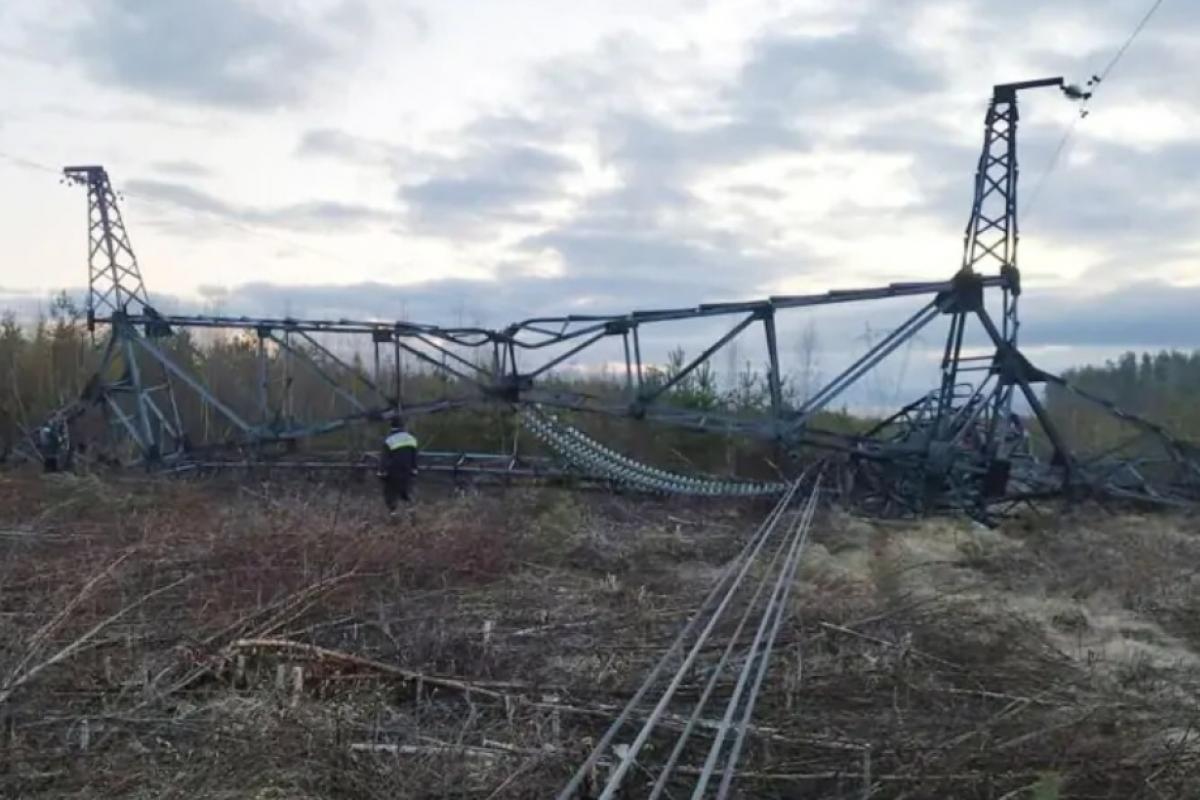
(962, 446)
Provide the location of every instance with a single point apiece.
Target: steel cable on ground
(725, 588)
(660, 784)
(629, 757)
(788, 551)
(786, 582)
(763, 641)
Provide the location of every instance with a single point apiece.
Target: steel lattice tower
(989, 242)
(144, 410)
(114, 279)
(992, 233)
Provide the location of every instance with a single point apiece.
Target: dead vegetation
(165, 639)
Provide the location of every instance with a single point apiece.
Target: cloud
(1135, 316)
(338, 144)
(491, 184)
(655, 158)
(798, 75)
(323, 215)
(653, 221)
(1123, 190)
(222, 52)
(613, 255)
(182, 167)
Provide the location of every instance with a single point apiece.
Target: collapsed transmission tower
(144, 406)
(980, 442)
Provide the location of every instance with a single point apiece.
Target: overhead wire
(1136, 31)
(1098, 79)
(1051, 165)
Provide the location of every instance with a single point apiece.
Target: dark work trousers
(397, 486)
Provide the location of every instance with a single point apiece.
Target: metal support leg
(774, 380)
(1063, 453)
(398, 386)
(375, 361)
(637, 357)
(628, 366)
(289, 400)
(151, 449)
(264, 391)
(950, 359)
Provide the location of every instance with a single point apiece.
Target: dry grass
(265, 641)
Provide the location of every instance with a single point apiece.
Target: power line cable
(1137, 30)
(1051, 165)
(1095, 82)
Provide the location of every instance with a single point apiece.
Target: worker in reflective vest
(398, 464)
(50, 447)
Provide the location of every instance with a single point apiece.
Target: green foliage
(1162, 386)
(42, 367)
(1047, 787)
(695, 388)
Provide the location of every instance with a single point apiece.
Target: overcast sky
(486, 160)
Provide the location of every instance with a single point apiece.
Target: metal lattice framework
(961, 446)
(114, 280)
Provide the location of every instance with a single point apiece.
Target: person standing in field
(398, 464)
(49, 443)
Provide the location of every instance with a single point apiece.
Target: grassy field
(225, 640)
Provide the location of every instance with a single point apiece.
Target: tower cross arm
(1007, 92)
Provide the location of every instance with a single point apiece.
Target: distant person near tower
(398, 464)
(49, 441)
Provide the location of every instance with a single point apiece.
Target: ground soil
(252, 639)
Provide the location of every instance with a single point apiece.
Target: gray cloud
(223, 52)
(1150, 194)
(794, 75)
(679, 267)
(493, 183)
(1144, 315)
(338, 144)
(505, 174)
(182, 167)
(651, 222)
(325, 215)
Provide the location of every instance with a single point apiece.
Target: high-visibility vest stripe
(400, 440)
